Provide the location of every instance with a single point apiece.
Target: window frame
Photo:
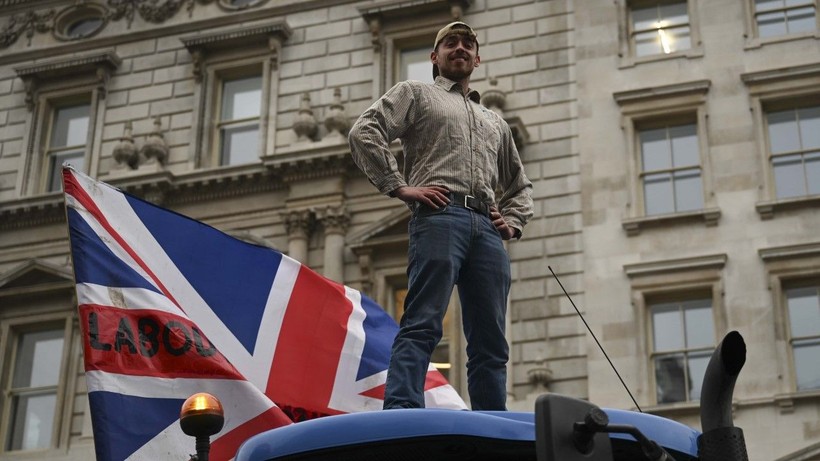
(786, 285)
(54, 82)
(785, 267)
(223, 52)
(753, 38)
(666, 280)
(771, 89)
(628, 55)
(781, 106)
(678, 298)
(49, 118)
(660, 106)
(12, 329)
(219, 75)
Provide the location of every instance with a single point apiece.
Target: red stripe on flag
(75, 190)
(310, 343)
(224, 448)
(146, 342)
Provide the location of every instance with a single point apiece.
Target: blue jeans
(452, 246)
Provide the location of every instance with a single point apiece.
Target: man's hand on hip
(432, 196)
(501, 226)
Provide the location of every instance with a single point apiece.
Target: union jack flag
(170, 306)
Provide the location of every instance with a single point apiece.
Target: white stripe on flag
(125, 298)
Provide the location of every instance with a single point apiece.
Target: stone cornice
(239, 36)
(786, 73)
(246, 17)
(70, 65)
(790, 251)
(665, 91)
(397, 8)
(716, 261)
(167, 189)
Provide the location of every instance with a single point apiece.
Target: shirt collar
(447, 85)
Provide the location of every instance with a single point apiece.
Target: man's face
(456, 56)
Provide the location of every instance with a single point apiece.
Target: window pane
(655, 150)
(70, 126)
(801, 20)
(667, 327)
(688, 190)
(38, 359)
(415, 65)
(658, 194)
(771, 24)
(669, 379)
(645, 18)
(674, 14)
(241, 98)
(804, 311)
(55, 174)
(647, 43)
(700, 328)
(684, 145)
(805, 364)
(788, 176)
(32, 422)
(675, 39)
(809, 127)
(240, 145)
(697, 368)
(783, 134)
(812, 163)
(766, 5)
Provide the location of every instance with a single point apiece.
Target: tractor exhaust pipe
(721, 441)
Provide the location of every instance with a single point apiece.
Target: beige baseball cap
(456, 27)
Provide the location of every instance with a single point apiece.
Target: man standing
(457, 156)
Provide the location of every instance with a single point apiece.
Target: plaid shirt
(448, 140)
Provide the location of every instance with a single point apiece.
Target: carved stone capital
(335, 219)
(299, 223)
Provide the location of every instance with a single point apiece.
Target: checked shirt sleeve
(370, 137)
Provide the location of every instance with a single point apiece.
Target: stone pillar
(298, 223)
(335, 221)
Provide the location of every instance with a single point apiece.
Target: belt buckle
(466, 204)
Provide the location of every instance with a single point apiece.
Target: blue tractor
(560, 429)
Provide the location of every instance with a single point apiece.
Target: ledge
(32, 211)
(786, 73)
(632, 61)
(716, 261)
(767, 209)
(665, 91)
(789, 251)
(239, 36)
(634, 226)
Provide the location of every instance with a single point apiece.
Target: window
(414, 64)
(237, 78)
(803, 306)
(33, 389)
(659, 27)
(678, 308)
(794, 148)
(64, 97)
(783, 17)
(67, 141)
(682, 343)
(670, 169)
(238, 126)
(667, 153)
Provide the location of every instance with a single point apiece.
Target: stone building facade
(669, 142)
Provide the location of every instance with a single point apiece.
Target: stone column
(298, 223)
(335, 221)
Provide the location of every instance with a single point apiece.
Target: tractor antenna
(596, 339)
